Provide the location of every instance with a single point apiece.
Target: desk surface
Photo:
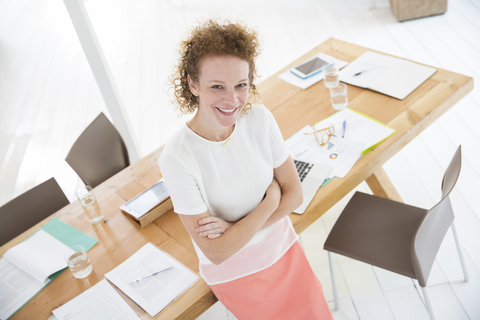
(119, 237)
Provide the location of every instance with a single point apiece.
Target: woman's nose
(231, 97)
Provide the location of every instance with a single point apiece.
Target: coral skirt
(287, 290)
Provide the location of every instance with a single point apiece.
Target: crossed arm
(219, 239)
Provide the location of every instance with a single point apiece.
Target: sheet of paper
(359, 128)
(100, 302)
(40, 255)
(289, 77)
(338, 153)
(370, 65)
(156, 292)
(16, 288)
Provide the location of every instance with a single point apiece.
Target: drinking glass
(331, 77)
(339, 97)
(90, 204)
(78, 262)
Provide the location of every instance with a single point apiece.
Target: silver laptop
(312, 176)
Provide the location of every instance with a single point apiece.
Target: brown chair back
(30, 208)
(98, 153)
(435, 224)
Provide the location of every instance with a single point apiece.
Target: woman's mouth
(227, 111)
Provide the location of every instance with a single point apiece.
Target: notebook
(385, 74)
(311, 176)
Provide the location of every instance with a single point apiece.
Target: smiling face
(222, 89)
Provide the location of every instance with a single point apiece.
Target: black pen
(363, 71)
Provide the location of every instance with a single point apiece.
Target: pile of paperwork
(150, 277)
(361, 134)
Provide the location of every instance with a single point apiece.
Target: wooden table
(119, 237)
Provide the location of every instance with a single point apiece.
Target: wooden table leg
(381, 186)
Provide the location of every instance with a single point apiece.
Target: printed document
(153, 293)
(361, 134)
(28, 267)
(100, 302)
(338, 153)
(358, 128)
(25, 270)
(16, 288)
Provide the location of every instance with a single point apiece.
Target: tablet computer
(146, 200)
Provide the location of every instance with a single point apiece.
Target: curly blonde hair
(213, 38)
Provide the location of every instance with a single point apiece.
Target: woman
(233, 182)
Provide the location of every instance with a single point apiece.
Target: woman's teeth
(227, 110)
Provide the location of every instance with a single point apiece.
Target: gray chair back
(432, 230)
(98, 153)
(30, 208)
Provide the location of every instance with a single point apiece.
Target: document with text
(152, 292)
(25, 270)
(354, 135)
(100, 302)
(28, 267)
(338, 153)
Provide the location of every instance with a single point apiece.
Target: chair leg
(427, 304)
(460, 254)
(334, 284)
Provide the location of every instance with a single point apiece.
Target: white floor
(48, 96)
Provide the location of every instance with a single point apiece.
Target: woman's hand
(212, 227)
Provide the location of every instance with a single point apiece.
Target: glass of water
(90, 204)
(331, 77)
(339, 97)
(78, 262)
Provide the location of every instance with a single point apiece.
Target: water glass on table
(339, 97)
(78, 261)
(331, 78)
(90, 204)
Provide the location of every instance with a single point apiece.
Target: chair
(394, 236)
(30, 208)
(98, 153)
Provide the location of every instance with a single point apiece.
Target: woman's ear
(192, 85)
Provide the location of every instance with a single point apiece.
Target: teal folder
(70, 236)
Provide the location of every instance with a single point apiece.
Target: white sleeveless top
(229, 179)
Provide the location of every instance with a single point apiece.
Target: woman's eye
(217, 86)
(242, 85)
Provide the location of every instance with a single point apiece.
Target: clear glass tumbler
(339, 97)
(331, 77)
(78, 261)
(90, 204)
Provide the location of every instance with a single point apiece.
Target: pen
(360, 72)
(151, 275)
(344, 125)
